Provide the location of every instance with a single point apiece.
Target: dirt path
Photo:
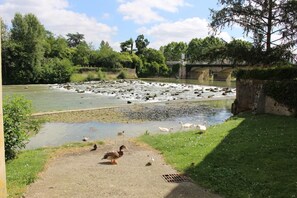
(84, 174)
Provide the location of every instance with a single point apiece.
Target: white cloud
(183, 30)
(57, 18)
(145, 11)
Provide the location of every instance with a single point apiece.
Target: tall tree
(127, 46)
(271, 22)
(75, 39)
(141, 44)
(26, 49)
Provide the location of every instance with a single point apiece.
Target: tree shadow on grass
(255, 159)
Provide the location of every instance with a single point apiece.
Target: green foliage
(141, 44)
(284, 92)
(247, 156)
(75, 39)
(127, 46)
(265, 20)
(101, 75)
(207, 49)
(56, 71)
(239, 51)
(153, 64)
(81, 54)
(174, 50)
(26, 49)
(17, 124)
(277, 73)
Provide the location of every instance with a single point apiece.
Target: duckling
(94, 147)
(121, 133)
(85, 139)
(113, 155)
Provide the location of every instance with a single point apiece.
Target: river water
(54, 98)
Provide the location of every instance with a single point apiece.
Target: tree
(141, 44)
(271, 22)
(26, 49)
(153, 63)
(239, 51)
(208, 49)
(174, 50)
(81, 55)
(75, 39)
(127, 46)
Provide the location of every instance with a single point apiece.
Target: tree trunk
(3, 192)
(269, 26)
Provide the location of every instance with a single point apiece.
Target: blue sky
(161, 21)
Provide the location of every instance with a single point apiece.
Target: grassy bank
(247, 156)
(24, 170)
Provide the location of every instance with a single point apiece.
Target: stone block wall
(251, 97)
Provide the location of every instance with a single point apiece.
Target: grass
(24, 170)
(247, 156)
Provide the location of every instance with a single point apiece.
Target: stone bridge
(204, 71)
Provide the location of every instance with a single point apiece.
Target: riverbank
(136, 113)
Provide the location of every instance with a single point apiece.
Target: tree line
(32, 54)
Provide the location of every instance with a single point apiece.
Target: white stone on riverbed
(141, 91)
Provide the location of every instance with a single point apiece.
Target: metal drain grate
(176, 178)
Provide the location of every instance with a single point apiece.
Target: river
(54, 98)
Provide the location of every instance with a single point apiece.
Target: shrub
(18, 124)
(101, 74)
(280, 73)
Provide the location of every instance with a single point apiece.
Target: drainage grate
(176, 178)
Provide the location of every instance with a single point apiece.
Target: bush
(284, 92)
(280, 73)
(101, 74)
(56, 71)
(18, 124)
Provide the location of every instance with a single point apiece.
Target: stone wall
(250, 97)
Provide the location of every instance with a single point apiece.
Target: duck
(121, 133)
(165, 129)
(94, 147)
(85, 139)
(113, 155)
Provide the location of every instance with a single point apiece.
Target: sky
(115, 21)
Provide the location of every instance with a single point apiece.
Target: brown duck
(113, 155)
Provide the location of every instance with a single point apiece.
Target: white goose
(201, 127)
(186, 125)
(165, 129)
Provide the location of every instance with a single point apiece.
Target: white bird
(165, 129)
(186, 125)
(201, 127)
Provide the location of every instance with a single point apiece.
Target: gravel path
(84, 174)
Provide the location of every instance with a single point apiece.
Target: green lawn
(247, 156)
(24, 170)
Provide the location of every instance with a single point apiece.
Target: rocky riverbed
(138, 91)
